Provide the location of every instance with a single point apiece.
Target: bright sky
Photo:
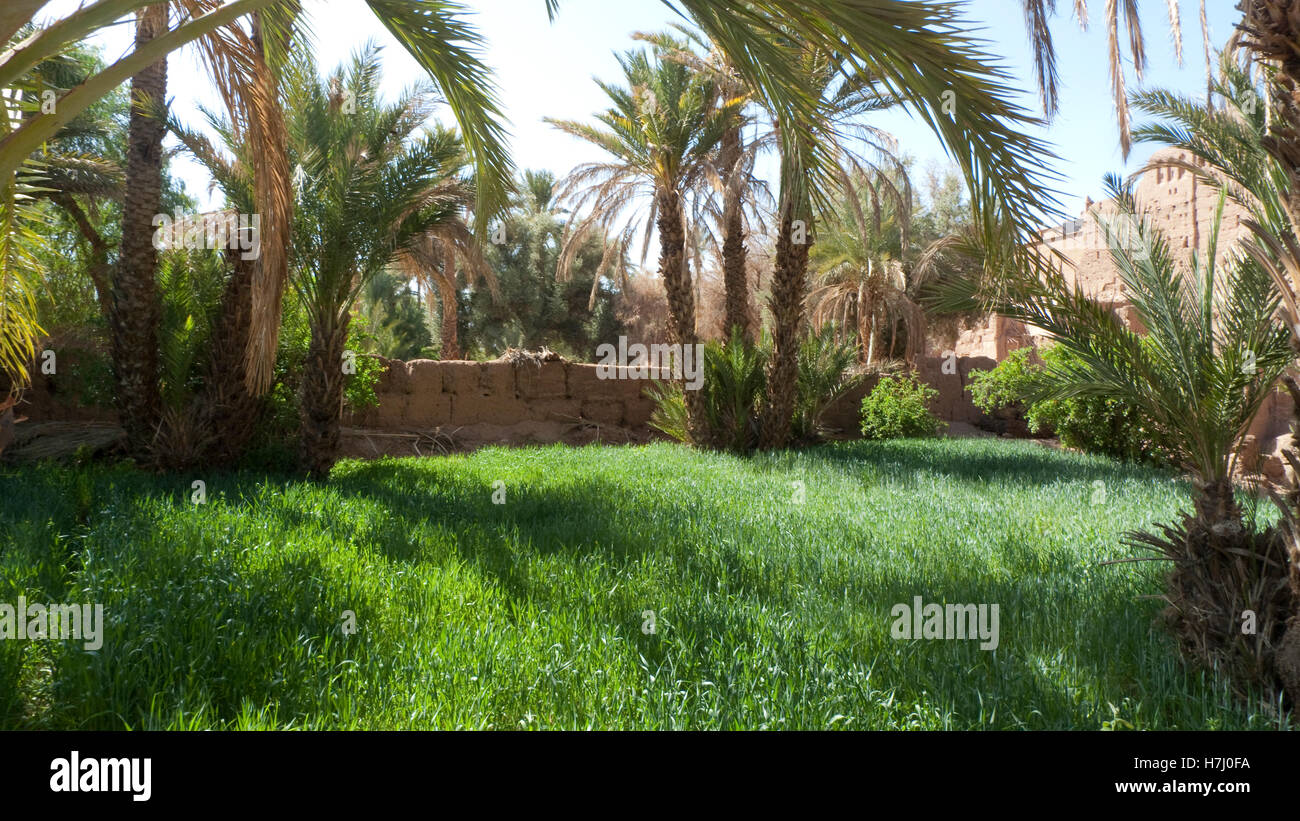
(545, 69)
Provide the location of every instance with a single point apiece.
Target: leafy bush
(824, 376)
(1008, 384)
(898, 407)
(1092, 424)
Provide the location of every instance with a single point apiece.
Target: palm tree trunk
(321, 401)
(681, 298)
(734, 277)
(786, 304)
(450, 332)
(227, 410)
(1215, 503)
(871, 335)
(135, 303)
(673, 270)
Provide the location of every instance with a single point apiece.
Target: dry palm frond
(521, 356)
(242, 65)
(62, 440)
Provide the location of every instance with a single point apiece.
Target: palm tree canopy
(369, 185)
(1212, 351)
(661, 131)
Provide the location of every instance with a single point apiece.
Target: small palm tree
(370, 189)
(863, 269)
(1211, 355)
(1237, 151)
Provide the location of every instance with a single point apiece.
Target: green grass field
(769, 613)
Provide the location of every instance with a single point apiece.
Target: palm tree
(661, 131)
(1238, 150)
(843, 99)
(242, 65)
(135, 311)
(730, 177)
(432, 260)
(370, 188)
(862, 272)
(1210, 357)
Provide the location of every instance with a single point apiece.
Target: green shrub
(898, 407)
(1092, 424)
(1008, 384)
(732, 395)
(735, 388)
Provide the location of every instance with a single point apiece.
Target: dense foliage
(899, 407)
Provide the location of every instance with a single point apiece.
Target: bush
(1091, 424)
(1007, 385)
(735, 388)
(898, 407)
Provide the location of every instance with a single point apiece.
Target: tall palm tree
(843, 97)
(661, 131)
(730, 178)
(135, 311)
(370, 187)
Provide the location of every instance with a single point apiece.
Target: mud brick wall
(426, 394)
(430, 394)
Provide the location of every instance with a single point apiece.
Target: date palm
(1238, 149)
(371, 186)
(433, 31)
(1211, 355)
(862, 270)
(434, 259)
(729, 183)
(661, 130)
(843, 100)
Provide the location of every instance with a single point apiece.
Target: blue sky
(545, 69)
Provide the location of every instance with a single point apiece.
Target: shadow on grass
(202, 632)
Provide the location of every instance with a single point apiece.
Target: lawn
(771, 599)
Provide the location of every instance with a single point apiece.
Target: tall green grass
(771, 598)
